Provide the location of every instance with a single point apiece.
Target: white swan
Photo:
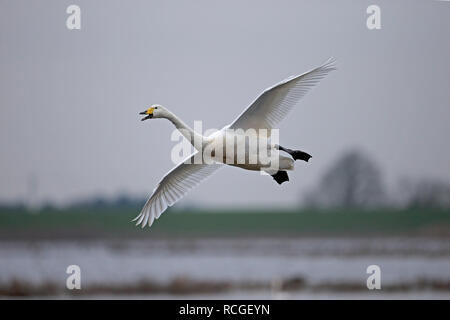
(264, 113)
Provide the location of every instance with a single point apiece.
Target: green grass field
(113, 221)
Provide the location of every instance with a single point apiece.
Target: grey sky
(69, 99)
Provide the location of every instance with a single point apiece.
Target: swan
(264, 113)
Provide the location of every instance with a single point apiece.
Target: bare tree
(352, 181)
(425, 193)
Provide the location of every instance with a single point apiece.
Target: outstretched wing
(275, 102)
(175, 184)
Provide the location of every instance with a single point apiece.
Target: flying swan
(264, 113)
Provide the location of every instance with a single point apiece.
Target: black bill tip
(147, 117)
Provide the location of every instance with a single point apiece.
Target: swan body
(219, 139)
(258, 119)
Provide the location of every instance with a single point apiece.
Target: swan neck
(193, 137)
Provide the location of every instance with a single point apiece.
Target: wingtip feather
(329, 64)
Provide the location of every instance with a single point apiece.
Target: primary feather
(274, 103)
(172, 187)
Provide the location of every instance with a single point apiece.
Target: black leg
(296, 154)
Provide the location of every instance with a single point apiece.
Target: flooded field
(252, 268)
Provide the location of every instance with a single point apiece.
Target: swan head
(155, 111)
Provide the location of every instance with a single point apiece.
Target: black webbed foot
(280, 177)
(300, 155)
(296, 154)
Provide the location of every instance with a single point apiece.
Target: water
(278, 268)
